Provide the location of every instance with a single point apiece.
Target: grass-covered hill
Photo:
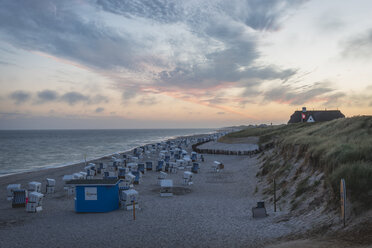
(340, 148)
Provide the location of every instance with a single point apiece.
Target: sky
(181, 64)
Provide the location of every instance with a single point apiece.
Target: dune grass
(341, 148)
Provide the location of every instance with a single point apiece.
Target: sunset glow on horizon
(181, 64)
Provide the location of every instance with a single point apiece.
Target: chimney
(303, 109)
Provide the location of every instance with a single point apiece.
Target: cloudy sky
(173, 64)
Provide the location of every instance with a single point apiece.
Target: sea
(29, 150)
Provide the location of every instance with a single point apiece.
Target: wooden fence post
(274, 195)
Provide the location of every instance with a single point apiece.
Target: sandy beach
(214, 212)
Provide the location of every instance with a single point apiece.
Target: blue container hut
(96, 195)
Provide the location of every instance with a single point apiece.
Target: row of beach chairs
(30, 198)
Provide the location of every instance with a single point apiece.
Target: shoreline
(48, 167)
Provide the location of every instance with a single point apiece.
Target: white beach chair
(50, 185)
(166, 188)
(217, 166)
(127, 198)
(9, 190)
(161, 176)
(187, 178)
(34, 186)
(34, 204)
(132, 166)
(70, 189)
(83, 175)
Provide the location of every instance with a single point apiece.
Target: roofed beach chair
(128, 198)
(166, 187)
(148, 165)
(195, 167)
(161, 176)
(10, 189)
(50, 185)
(137, 175)
(141, 168)
(122, 172)
(129, 179)
(34, 186)
(70, 189)
(19, 198)
(218, 166)
(90, 174)
(173, 167)
(83, 175)
(187, 178)
(109, 175)
(132, 166)
(159, 167)
(194, 156)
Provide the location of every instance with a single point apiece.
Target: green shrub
(358, 180)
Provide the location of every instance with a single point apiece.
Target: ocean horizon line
(90, 129)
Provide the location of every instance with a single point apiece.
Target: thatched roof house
(315, 115)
